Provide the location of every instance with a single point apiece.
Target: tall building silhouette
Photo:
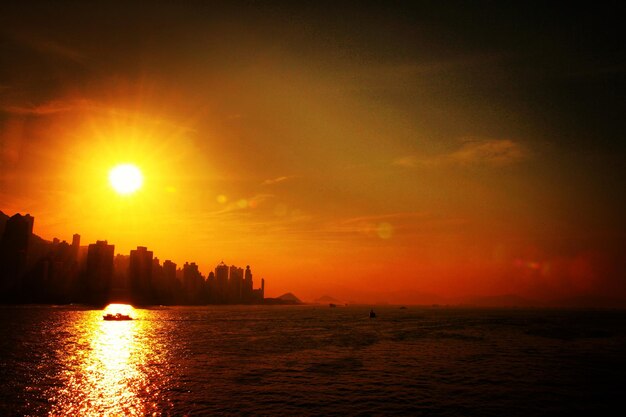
(193, 283)
(121, 286)
(247, 286)
(54, 276)
(211, 288)
(99, 272)
(235, 284)
(259, 294)
(221, 278)
(169, 270)
(75, 246)
(168, 287)
(140, 274)
(14, 253)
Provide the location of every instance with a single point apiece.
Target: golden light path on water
(116, 368)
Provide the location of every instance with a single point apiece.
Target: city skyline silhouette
(33, 270)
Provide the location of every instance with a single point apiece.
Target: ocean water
(305, 360)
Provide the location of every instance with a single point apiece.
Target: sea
(312, 361)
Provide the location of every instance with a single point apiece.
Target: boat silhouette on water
(116, 317)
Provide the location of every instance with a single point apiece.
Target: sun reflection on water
(114, 368)
(123, 309)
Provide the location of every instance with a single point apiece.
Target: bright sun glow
(125, 309)
(125, 178)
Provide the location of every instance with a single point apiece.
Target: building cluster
(33, 270)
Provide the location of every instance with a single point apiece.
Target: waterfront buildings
(35, 270)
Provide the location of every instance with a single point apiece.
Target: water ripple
(311, 361)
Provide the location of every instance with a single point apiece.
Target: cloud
(275, 180)
(49, 108)
(49, 47)
(82, 105)
(404, 225)
(243, 204)
(490, 152)
(379, 217)
(409, 161)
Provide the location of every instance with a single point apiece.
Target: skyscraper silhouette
(235, 284)
(167, 287)
(221, 277)
(247, 286)
(211, 288)
(75, 246)
(99, 272)
(193, 283)
(14, 253)
(140, 275)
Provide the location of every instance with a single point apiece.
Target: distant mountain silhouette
(325, 299)
(289, 297)
(285, 299)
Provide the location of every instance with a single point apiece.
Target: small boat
(372, 314)
(332, 305)
(116, 317)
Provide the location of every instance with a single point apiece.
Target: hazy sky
(370, 150)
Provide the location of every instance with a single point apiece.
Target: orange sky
(370, 169)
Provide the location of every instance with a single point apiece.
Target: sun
(125, 178)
